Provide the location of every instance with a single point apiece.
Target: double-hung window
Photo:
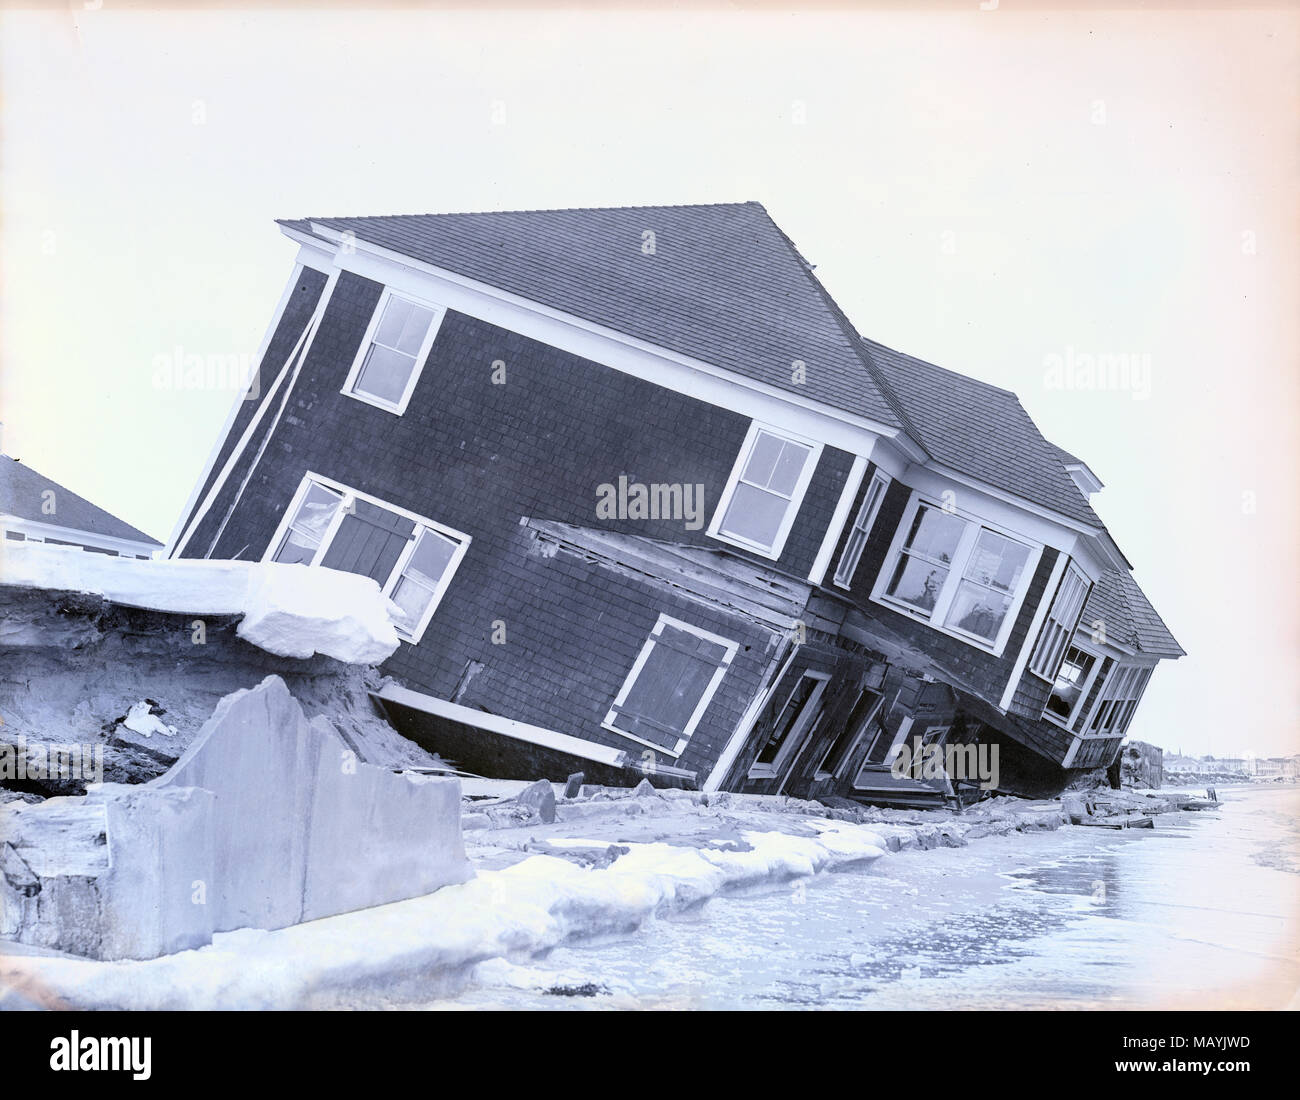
(411, 558)
(1118, 700)
(1074, 676)
(395, 346)
(862, 525)
(670, 686)
(1060, 625)
(766, 487)
(957, 574)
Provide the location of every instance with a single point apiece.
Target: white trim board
(839, 518)
(506, 727)
(238, 403)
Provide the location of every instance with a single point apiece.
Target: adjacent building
(33, 508)
(650, 504)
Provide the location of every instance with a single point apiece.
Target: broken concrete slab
(541, 797)
(266, 821)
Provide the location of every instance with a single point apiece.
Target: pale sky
(983, 189)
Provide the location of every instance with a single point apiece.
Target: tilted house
(650, 504)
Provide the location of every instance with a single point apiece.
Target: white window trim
(796, 498)
(1071, 569)
(463, 540)
(1086, 732)
(706, 698)
(354, 373)
(1098, 658)
(956, 568)
(799, 734)
(864, 521)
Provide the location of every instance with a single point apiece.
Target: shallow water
(1203, 911)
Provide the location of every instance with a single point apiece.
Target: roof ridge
(846, 326)
(945, 370)
(525, 210)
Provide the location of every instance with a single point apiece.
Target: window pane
(754, 514)
(403, 326)
(309, 524)
(763, 459)
(788, 468)
(997, 561)
(413, 599)
(978, 611)
(384, 374)
(1069, 682)
(430, 558)
(297, 549)
(917, 582)
(935, 534)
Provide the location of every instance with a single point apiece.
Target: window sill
(374, 402)
(673, 753)
(772, 553)
(972, 640)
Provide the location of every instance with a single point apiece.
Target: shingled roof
(21, 495)
(980, 430)
(1128, 616)
(726, 286)
(723, 285)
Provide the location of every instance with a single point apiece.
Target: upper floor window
(412, 559)
(396, 343)
(1060, 624)
(956, 574)
(766, 487)
(671, 683)
(1118, 700)
(862, 525)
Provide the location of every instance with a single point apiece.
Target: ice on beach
(288, 610)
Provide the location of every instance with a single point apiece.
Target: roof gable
(981, 430)
(21, 490)
(1128, 617)
(723, 285)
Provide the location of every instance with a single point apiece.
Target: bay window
(1119, 698)
(957, 574)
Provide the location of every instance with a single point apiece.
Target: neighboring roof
(980, 430)
(723, 285)
(21, 490)
(1128, 615)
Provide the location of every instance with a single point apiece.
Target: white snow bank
(288, 610)
(402, 950)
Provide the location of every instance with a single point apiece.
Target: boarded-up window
(369, 540)
(670, 685)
